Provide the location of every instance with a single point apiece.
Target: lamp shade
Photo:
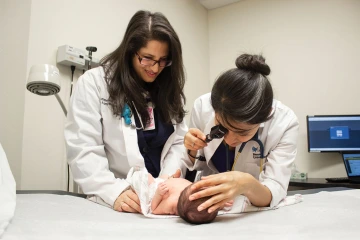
(44, 80)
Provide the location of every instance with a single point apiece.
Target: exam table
(329, 213)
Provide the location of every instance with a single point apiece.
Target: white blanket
(139, 181)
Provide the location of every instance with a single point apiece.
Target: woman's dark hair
(187, 209)
(124, 86)
(244, 94)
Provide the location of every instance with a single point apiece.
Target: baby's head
(187, 209)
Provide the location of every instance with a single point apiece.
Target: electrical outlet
(299, 176)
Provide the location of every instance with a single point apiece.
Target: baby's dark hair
(187, 209)
(244, 93)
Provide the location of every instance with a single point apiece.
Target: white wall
(102, 24)
(14, 35)
(312, 47)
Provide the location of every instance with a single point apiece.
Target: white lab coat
(278, 135)
(101, 148)
(7, 192)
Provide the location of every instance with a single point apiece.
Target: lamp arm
(61, 104)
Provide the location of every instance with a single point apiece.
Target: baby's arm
(159, 194)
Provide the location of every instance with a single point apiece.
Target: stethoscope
(127, 113)
(261, 146)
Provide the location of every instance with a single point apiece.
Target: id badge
(151, 124)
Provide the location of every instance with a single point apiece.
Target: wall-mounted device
(71, 56)
(91, 49)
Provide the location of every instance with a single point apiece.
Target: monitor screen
(352, 164)
(336, 133)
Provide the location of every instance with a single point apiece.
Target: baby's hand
(162, 188)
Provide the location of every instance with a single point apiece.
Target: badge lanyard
(261, 145)
(127, 113)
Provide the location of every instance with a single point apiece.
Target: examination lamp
(44, 80)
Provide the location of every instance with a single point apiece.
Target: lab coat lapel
(131, 144)
(213, 145)
(168, 143)
(239, 164)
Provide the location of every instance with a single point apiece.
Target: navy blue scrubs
(219, 158)
(151, 142)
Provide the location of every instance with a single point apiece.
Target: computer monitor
(333, 133)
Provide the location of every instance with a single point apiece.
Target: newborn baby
(158, 196)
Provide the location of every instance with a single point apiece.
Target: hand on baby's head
(187, 209)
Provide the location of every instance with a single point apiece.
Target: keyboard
(337, 179)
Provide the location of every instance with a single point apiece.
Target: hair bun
(254, 63)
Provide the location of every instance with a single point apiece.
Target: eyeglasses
(150, 62)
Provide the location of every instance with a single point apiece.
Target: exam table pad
(324, 215)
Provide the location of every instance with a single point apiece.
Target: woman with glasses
(251, 141)
(129, 113)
